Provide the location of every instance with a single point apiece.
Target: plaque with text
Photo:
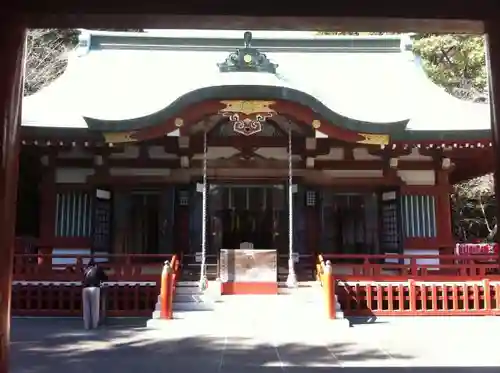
(248, 265)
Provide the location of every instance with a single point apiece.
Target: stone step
(187, 284)
(191, 306)
(306, 298)
(275, 308)
(187, 290)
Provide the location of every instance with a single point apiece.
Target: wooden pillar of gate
(493, 62)
(47, 212)
(444, 221)
(12, 39)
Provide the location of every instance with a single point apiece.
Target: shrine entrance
(144, 233)
(252, 215)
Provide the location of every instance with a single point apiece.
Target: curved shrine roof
(126, 81)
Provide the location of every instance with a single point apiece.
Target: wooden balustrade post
(412, 295)
(329, 291)
(413, 267)
(79, 265)
(487, 295)
(367, 268)
(165, 292)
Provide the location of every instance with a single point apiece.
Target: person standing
(93, 277)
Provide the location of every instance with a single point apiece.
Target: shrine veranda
(246, 157)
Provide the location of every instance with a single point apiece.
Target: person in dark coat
(93, 277)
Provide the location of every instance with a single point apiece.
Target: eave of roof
(265, 41)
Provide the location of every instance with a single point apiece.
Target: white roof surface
(117, 83)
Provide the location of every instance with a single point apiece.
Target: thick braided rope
(290, 196)
(203, 278)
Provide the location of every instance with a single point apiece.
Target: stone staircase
(189, 297)
(308, 296)
(290, 305)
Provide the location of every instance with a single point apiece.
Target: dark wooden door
(102, 221)
(217, 195)
(145, 232)
(391, 235)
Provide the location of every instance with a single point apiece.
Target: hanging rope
(291, 279)
(203, 276)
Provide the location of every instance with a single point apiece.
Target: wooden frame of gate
(463, 16)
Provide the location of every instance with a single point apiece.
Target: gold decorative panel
(118, 137)
(247, 107)
(374, 139)
(247, 117)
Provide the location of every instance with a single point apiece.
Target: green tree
(455, 62)
(47, 55)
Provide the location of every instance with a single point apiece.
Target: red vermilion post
(12, 38)
(175, 268)
(165, 292)
(47, 212)
(329, 291)
(492, 28)
(443, 214)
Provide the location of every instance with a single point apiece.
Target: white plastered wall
(68, 175)
(423, 178)
(418, 177)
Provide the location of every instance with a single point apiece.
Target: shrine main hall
(194, 142)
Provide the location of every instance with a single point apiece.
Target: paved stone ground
(232, 345)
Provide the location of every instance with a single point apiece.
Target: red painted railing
(64, 299)
(119, 267)
(457, 285)
(421, 267)
(57, 292)
(420, 298)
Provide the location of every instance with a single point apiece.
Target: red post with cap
(329, 291)
(165, 292)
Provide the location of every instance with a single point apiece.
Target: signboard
(248, 265)
(476, 249)
(198, 257)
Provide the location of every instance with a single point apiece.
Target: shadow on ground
(60, 345)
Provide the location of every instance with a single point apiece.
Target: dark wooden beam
(119, 163)
(12, 38)
(371, 165)
(389, 152)
(438, 16)
(175, 163)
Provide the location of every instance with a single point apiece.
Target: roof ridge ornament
(247, 59)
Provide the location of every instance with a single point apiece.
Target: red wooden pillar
(492, 28)
(181, 223)
(312, 223)
(443, 213)
(47, 209)
(12, 39)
